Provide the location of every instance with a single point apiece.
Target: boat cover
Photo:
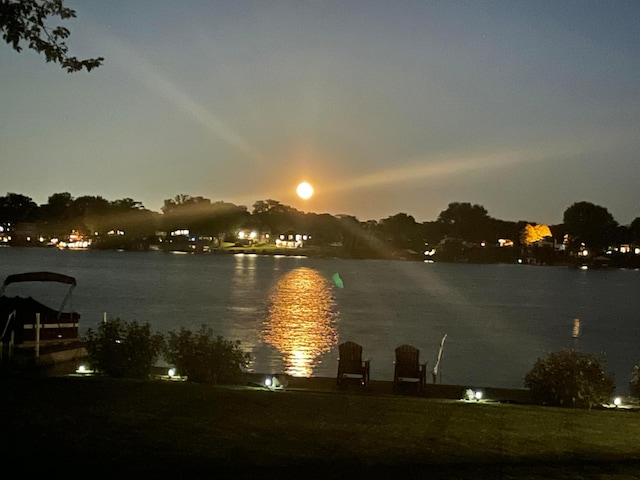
(40, 277)
(54, 325)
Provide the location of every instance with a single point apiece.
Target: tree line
(458, 230)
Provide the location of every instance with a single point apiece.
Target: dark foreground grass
(98, 427)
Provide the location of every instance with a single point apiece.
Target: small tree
(570, 379)
(123, 349)
(635, 382)
(203, 358)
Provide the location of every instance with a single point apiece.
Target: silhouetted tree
(56, 214)
(352, 232)
(402, 231)
(138, 224)
(24, 22)
(126, 205)
(634, 231)
(590, 224)
(87, 213)
(276, 216)
(504, 229)
(468, 222)
(202, 217)
(16, 208)
(361, 240)
(186, 212)
(57, 207)
(226, 218)
(323, 228)
(432, 232)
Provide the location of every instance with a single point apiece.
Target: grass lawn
(86, 427)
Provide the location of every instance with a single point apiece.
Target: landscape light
(272, 383)
(471, 395)
(617, 401)
(171, 372)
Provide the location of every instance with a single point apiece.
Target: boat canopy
(40, 277)
(28, 320)
(20, 314)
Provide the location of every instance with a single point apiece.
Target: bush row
(127, 349)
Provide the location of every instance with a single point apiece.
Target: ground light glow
(304, 190)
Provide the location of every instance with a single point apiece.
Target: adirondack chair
(350, 364)
(408, 369)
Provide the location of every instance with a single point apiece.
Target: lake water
(292, 312)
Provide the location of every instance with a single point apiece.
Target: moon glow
(304, 190)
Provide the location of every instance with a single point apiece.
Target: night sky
(524, 107)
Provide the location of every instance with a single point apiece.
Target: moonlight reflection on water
(302, 319)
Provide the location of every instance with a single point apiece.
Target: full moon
(304, 190)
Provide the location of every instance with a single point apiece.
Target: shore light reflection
(302, 320)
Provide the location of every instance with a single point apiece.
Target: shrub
(123, 349)
(203, 358)
(570, 379)
(635, 382)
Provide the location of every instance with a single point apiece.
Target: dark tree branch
(24, 22)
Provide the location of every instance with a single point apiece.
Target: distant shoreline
(474, 258)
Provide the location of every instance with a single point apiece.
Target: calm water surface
(291, 312)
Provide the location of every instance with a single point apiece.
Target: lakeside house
(292, 239)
